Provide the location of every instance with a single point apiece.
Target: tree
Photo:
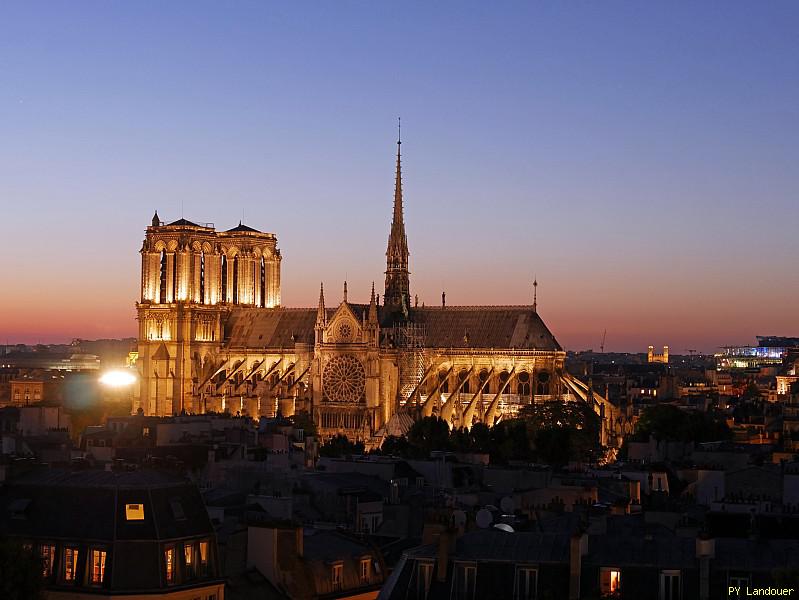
(302, 420)
(562, 431)
(340, 446)
(20, 572)
(396, 445)
(667, 422)
(429, 434)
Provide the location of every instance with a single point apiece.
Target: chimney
(446, 540)
(705, 551)
(300, 541)
(578, 546)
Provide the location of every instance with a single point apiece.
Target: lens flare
(117, 378)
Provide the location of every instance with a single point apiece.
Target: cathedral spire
(398, 217)
(397, 276)
(535, 294)
(321, 316)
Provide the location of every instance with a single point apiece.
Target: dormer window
(97, 575)
(134, 512)
(337, 577)
(69, 564)
(366, 570)
(610, 580)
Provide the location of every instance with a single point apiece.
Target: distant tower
(651, 357)
(397, 292)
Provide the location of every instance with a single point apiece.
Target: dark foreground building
(103, 534)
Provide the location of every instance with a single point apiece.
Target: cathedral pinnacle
(321, 316)
(156, 220)
(345, 290)
(535, 294)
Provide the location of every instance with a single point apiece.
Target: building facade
(213, 336)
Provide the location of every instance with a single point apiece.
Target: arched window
(224, 278)
(483, 377)
(263, 282)
(503, 379)
(202, 277)
(162, 278)
(542, 388)
(464, 377)
(523, 384)
(442, 377)
(174, 276)
(235, 279)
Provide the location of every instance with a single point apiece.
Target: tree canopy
(669, 423)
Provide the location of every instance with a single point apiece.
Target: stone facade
(214, 337)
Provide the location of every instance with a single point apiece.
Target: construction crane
(602, 345)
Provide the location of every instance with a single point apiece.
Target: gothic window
(174, 276)
(344, 379)
(224, 278)
(543, 383)
(162, 278)
(464, 377)
(523, 384)
(483, 376)
(235, 280)
(442, 377)
(263, 282)
(503, 379)
(202, 277)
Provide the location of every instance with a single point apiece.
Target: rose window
(345, 332)
(344, 379)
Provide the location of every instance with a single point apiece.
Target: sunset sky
(640, 159)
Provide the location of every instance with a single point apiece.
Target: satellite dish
(459, 518)
(504, 527)
(484, 518)
(507, 505)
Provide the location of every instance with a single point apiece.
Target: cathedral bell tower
(397, 293)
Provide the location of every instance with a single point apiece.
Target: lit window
(338, 571)
(366, 570)
(70, 563)
(98, 566)
(134, 512)
(47, 552)
(526, 583)
(188, 554)
(169, 562)
(610, 581)
(203, 557)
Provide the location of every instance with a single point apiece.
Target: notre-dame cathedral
(213, 336)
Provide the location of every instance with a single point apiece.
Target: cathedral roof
(516, 327)
(275, 327)
(183, 223)
(270, 328)
(242, 229)
(510, 327)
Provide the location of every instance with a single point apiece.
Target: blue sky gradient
(639, 158)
